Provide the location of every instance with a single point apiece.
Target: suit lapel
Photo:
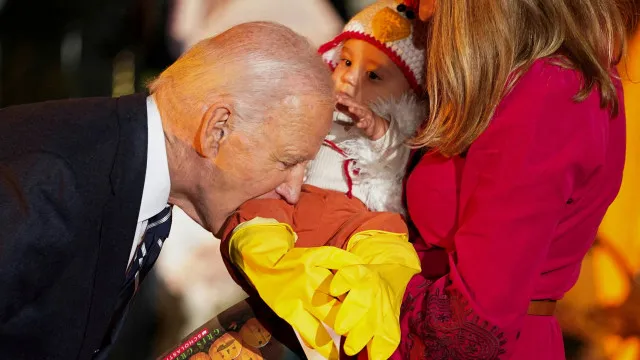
(120, 217)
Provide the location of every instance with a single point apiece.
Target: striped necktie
(144, 257)
(148, 250)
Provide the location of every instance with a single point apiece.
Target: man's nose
(290, 189)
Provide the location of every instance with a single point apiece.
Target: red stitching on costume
(330, 45)
(335, 147)
(345, 165)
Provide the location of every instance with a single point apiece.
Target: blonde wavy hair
(478, 49)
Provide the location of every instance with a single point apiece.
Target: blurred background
(59, 49)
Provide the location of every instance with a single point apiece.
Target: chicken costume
(352, 200)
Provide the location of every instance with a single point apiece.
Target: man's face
(270, 160)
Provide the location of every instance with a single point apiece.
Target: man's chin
(216, 223)
(216, 226)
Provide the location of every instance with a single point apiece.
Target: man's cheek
(266, 184)
(269, 195)
(248, 172)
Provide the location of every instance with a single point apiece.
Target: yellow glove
(293, 282)
(370, 312)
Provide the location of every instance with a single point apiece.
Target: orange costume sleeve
(320, 218)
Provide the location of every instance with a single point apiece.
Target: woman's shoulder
(552, 76)
(551, 87)
(542, 110)
(547, 78)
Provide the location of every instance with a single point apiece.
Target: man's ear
(214, 129)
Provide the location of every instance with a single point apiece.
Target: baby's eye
(374, 76)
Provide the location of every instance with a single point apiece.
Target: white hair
(258, 67)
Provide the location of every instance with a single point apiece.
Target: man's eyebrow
(296, 157)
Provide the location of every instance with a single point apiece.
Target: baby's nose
(347, 89)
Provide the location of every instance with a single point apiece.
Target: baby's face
(367, 74)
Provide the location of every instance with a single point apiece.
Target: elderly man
(86, 186)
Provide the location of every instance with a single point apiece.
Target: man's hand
(372, 125)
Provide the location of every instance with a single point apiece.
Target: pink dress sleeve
(517, 180)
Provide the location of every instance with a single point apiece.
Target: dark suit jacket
(71, 180)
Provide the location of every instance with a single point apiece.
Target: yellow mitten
(293, 282)
(370, 312)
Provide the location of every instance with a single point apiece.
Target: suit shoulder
(70, 128)
(45, 108)
(35, 174)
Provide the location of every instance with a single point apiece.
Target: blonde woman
(518, 161)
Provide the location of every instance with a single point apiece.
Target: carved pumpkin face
(250, 354)
(254, 334)
(200, 356)
(227, 347)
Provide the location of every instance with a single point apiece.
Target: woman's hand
(372, 125)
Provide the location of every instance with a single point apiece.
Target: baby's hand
(373, 126)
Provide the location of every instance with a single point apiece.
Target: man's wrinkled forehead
(306, 110)
(303, 124)
(305, 103)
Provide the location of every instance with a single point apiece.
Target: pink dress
(510, 222)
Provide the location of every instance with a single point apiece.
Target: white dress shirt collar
(157, 183)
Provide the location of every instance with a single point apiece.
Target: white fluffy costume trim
(381, 171)
(378, 167)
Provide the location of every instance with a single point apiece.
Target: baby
(378, 73)
(352, 192)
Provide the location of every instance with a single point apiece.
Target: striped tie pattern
(148, 250)
(145, 256)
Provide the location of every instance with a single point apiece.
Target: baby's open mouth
(342, 118)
